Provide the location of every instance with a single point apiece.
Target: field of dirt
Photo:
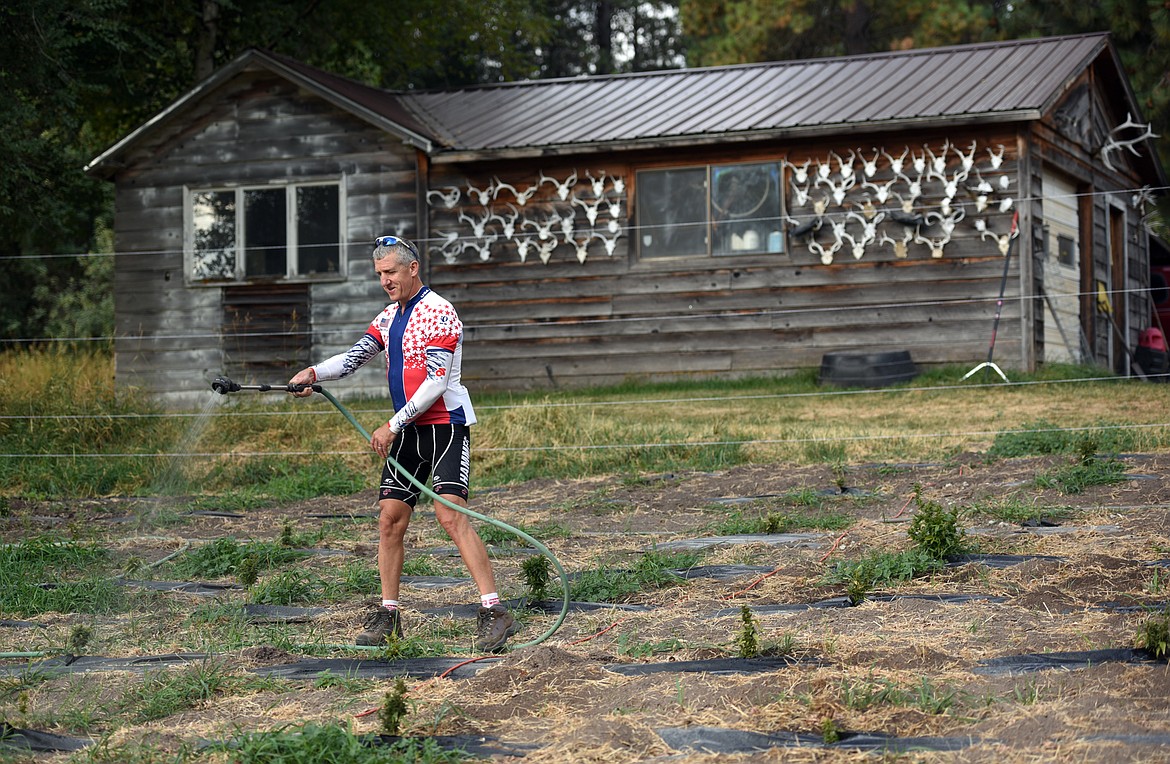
(1021, 653)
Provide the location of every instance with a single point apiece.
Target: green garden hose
(470, 513)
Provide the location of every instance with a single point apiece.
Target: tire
(867, 369)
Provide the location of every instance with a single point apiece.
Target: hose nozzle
(223, 386)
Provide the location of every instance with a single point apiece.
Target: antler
(1113, 144)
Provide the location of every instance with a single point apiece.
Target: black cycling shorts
(440, 451)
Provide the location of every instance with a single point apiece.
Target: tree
(1141, 34)
(610, 36)
(77, 75)
(743, 31)
(48, 207)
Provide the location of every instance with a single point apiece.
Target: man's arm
(439, 360)
(340, 365)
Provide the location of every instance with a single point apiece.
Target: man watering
(428, 435)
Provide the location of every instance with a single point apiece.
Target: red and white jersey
(423, 341)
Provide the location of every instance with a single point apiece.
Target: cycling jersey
(424, 354)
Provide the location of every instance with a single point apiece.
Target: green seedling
(394, 708)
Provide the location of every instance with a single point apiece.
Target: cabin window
(265, 234)
(714, 210)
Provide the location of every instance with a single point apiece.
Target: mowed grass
(66, 431)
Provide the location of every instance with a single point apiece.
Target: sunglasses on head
(390, 241)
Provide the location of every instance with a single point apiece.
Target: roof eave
(408, 136)
(451, 156)
(106, 163)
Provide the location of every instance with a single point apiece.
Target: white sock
(487, 600)
(390, 604)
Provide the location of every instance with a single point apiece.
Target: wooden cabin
(718, 222)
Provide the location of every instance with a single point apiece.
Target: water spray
(223, 386)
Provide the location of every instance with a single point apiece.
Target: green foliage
(1075, 477)
(782, 522)
(67, 394)
(537, 572)
(879, 568)
(747, 641)
(314, 743)
(1154, 635)
(1016, 511)
(289, 587)
(1041, 438)
(651, 571)
(248, 571)
(924, 696)
(830, 732)
(627, 646)
(40, 575)
(258, 482)
(394, 708)
(936, 530)
(420, 565)
(744, 31)
(167, 692)
(225, 555)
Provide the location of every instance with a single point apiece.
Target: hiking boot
(378, 625)
(493, 627)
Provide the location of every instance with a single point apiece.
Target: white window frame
(291, 261)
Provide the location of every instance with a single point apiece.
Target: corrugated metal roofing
(1005, 81)
(1018, 79)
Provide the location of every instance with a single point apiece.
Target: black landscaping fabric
(471, 610)
(722, 572)
(42, 742)
(950, 599)
(187, 587)
(836, 602)
(730, 741)
(340, 515)
(1001, 560)
(554, 606)
(474, 745)
(434, 582)
(708, 666)
(83, 664)
(365, 668)
(799, 540)
(1018, 664)
(7, 624)
(792, 607)
(213, 513)
(281, 613)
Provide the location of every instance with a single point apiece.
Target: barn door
(266, 331)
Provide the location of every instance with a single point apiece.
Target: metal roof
(998, 81)
(986, 82)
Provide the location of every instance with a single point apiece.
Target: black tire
(867, 369)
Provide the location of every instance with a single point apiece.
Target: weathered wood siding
(533, 324)
(1066, 148)
(173, 338)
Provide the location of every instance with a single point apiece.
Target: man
(428, 435)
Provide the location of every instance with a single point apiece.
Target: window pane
(213, 215)
(672, 212)
(745, 209)
(318, 237)
(266, 233)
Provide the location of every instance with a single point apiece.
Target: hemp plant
(393, 708)
(537, 575)
(748, 640)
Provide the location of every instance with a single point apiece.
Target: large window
(711, 210)
(265, 234)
